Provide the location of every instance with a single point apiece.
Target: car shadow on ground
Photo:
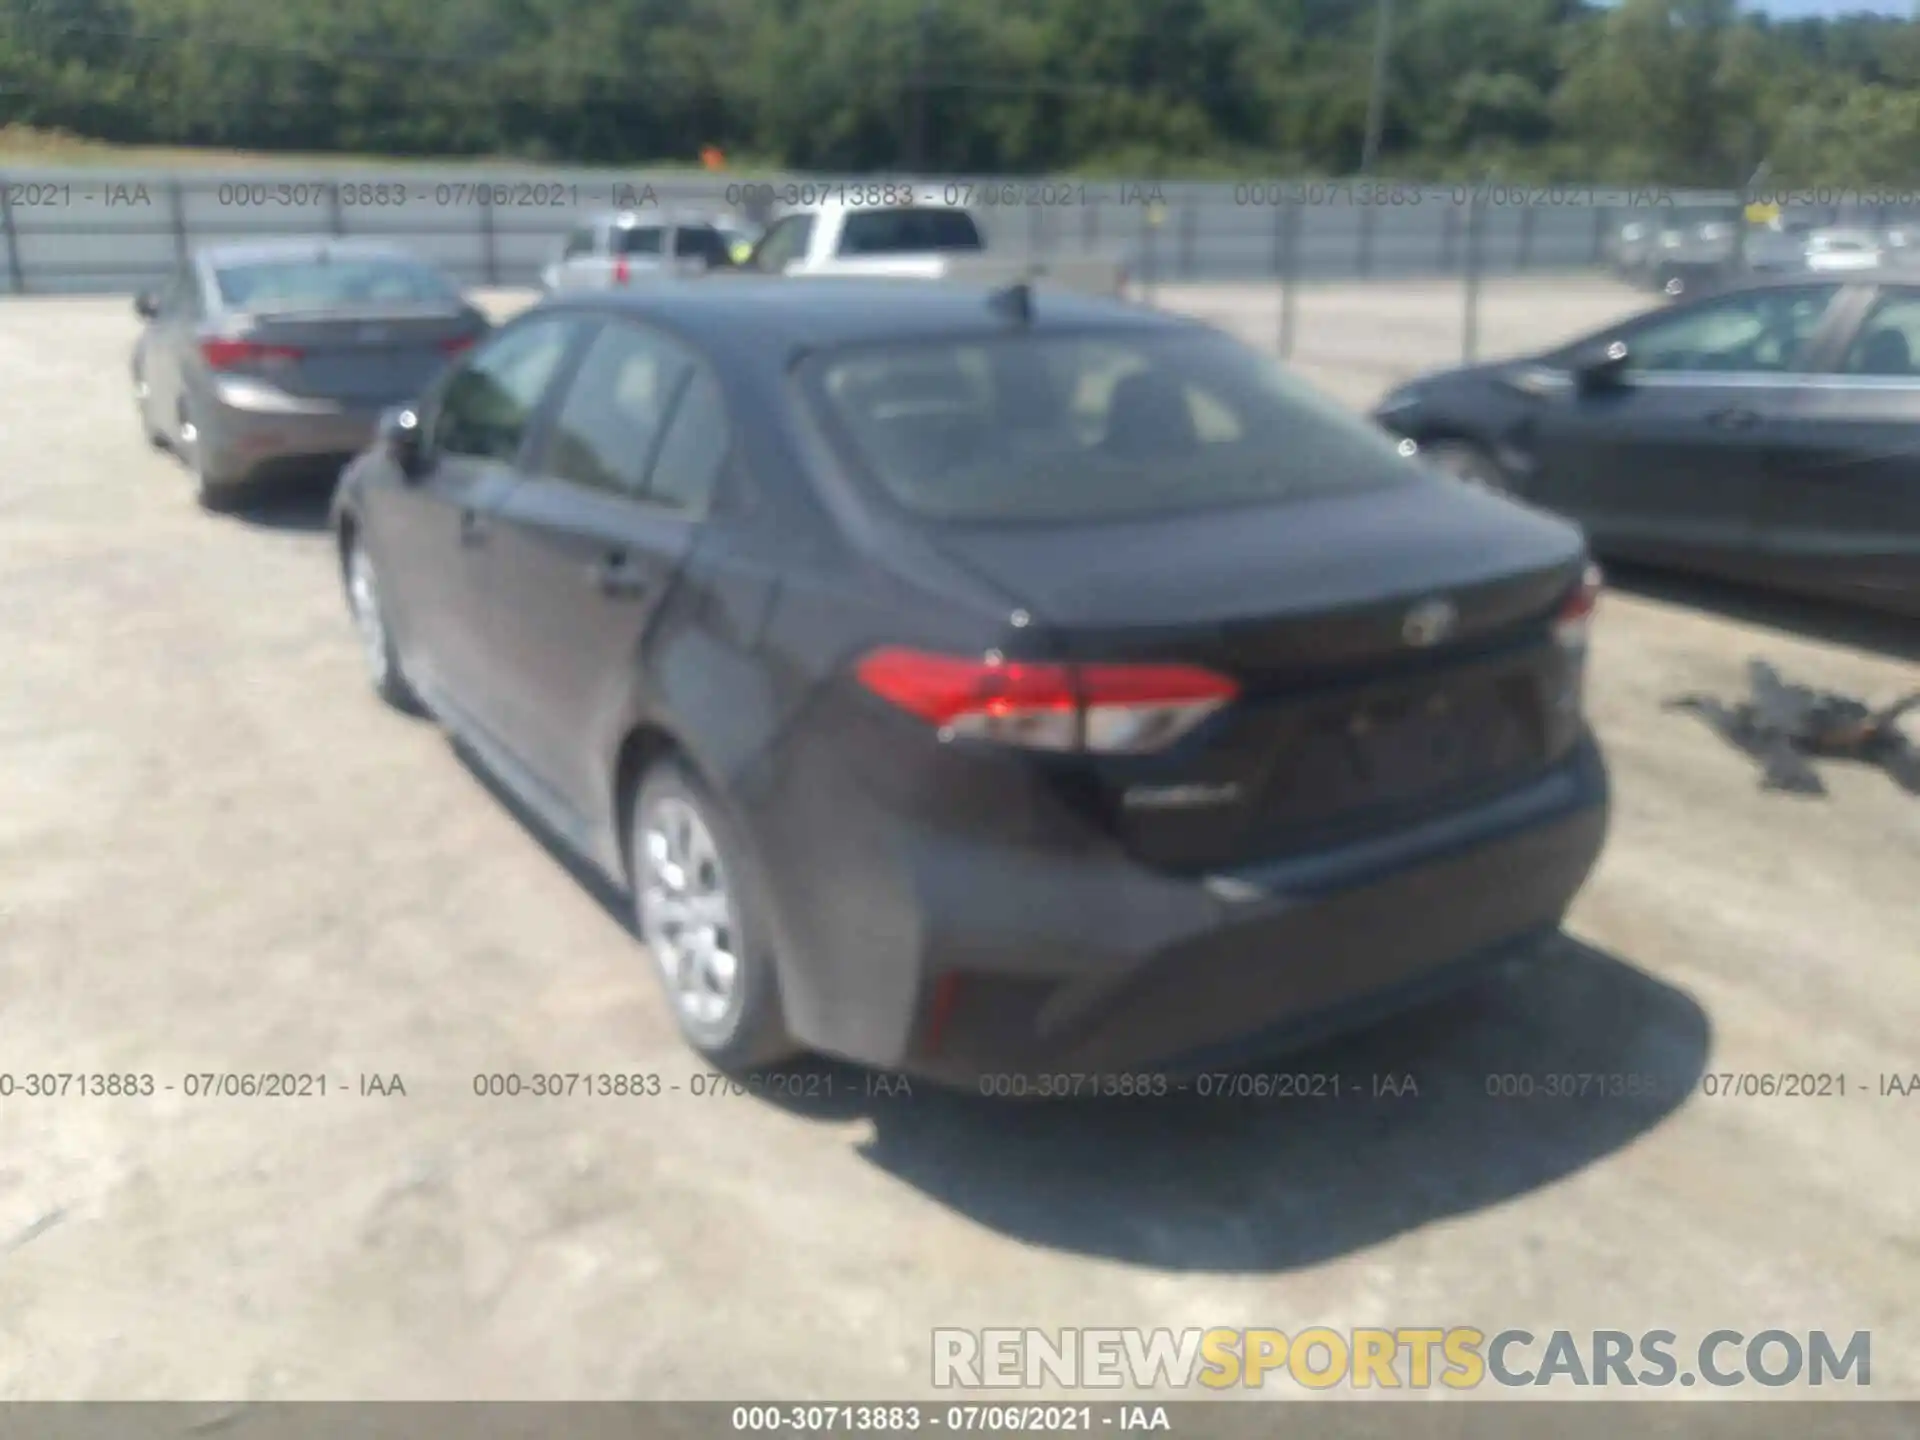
(609, 896)
(1826, 621)
(1476, 1099)
(301, 504)
(1440, 1112)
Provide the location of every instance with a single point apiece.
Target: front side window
(637, 240)
(1760, 332)
(694, 448)
(606, 429)
(1032, 428)
(489, 402)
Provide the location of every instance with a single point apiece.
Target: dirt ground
(220, 855)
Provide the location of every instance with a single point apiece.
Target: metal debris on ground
(1786, 727)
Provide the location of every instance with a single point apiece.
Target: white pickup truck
(924, 241)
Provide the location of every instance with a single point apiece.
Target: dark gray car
(278, 356)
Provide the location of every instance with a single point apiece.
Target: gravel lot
(218, 853)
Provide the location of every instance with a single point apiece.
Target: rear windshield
(324, 284)
(637, 240)
(1057, 428)
(907, 231)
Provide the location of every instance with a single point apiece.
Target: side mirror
(146, 304)
(1602, 366)
(399, 435)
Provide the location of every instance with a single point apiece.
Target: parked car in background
(629, 247)
(1692, 256)
(926, 240)
(982, 683)
(277, 357)
(1770, 433)
(1841, 250)
(1629, 247)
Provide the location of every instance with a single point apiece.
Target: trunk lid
(1354, 715)
(369, 357)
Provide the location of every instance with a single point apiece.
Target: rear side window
(1038, 429)
(701, 242)
(637, 240)
(908, 231)
(696, 445)
(613, 413)
(327, 284)
(1889, 341)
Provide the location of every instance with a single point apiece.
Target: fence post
(1287, 217)
(1449, 234)
(177, 202)
(1147, 277)
(1600, 214)
(1189, 233)
(1524, 259)
(16, 278)
(1090, 225)
(1470, 331)
(336, 216)
(490, 251)
(1366, 240)
(1036, 233)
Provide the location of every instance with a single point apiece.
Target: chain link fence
(1368, 279)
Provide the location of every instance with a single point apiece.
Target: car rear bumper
(1002, 960)
(243, 439)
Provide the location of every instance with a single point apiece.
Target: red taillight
(231, 354)
(620, 271)
(1571, 625)
(459, 344)
(1107, 709)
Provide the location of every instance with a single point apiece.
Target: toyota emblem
(1429, 622)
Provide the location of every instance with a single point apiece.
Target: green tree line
(1680, 92)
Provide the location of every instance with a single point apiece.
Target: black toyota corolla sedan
(1770, 434)
(973, 683)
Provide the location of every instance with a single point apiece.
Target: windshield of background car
(326, 284)
(1028, 428)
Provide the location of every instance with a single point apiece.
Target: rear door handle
(1737, 418)
(475, 527)
(618, 575)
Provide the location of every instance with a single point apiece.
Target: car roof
(1796, 279)
(650, 219)
(825, 312)
(254, 252)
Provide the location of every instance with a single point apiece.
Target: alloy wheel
(687, 914)
(363, 594)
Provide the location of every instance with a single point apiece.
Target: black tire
(378, 652)
(751, 1031)
(1472, 463)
